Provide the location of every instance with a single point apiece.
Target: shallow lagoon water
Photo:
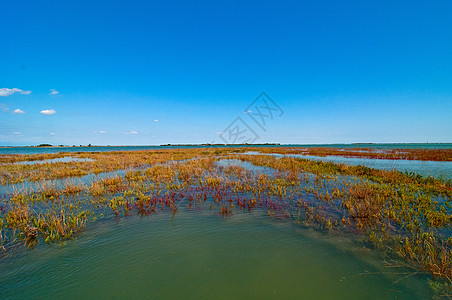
(202, 255)
(438, 169)
(54, 160)
(41, 150)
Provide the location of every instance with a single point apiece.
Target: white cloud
(52, 133)
(101, 131)
(48, 112)
(156, 120)
(132, 132)
(18, 111)
(16, 133)
(53, 92)
(5, 92)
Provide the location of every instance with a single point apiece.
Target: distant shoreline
(163, 145)
(217, 145)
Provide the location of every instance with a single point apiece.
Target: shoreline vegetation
(407, 218)
(162, 145)
(323, 151)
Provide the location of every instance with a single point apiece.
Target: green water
(41, 150)
(202, 255)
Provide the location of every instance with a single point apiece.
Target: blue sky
(148, 72)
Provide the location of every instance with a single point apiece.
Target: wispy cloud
(4, 107)
(131, 132)
(156, 120)
(48, 112)
(100, 132)
(18, 111)
(53, 92)
(52, 133)
(5, 92)
(17, 133)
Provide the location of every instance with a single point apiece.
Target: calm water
(201, 255)
(39, 150)
(426, 168)
(54, 160)
(438, 169)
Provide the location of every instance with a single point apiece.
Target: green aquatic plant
(404, 214)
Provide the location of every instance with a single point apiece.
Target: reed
(397, 154)
(406, 214)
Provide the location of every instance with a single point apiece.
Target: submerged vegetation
(406, 217)
(373, 153)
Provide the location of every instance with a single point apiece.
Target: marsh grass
(396, 154)
(404, 215)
